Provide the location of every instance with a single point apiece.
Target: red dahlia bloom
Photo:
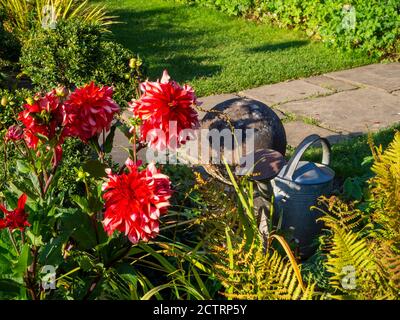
(16, 218)
(135, 201)
(14, 133)
(89, 110)
(44, 116)
(162, 102)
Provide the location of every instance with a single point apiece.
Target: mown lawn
(217, 53)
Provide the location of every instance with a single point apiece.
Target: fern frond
(337, 212)
(386, 190)
(256, 275)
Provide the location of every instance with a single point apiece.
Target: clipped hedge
(372, 26)
(75, 53)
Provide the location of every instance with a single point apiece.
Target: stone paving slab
(383, 76)
(296, 131)
(118, 152)
(355, 111)
(283, 92)
(331, 84)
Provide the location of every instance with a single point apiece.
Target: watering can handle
(304, 145)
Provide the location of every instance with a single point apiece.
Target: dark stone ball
(249, 114)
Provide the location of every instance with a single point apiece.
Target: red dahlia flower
(14, 133)
(89, 110)
(44, 116)
(16, 218)
(161, 103)
(135, 201)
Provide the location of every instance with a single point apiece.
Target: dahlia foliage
(134, 199)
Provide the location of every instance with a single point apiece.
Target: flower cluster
(164, 102)
(134, 202)
(17, 218)
(84, 114)
(43, 117)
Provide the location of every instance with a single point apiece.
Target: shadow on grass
(278, 46)
(158, 40)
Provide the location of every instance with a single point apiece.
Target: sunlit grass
(217, 53)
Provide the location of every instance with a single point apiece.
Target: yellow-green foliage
(250, 273)
(386, 189)
(367, 243)
(20, 12)
(349, 254)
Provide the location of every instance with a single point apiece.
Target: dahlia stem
(13, 241)
(5, 161)
(134, 144)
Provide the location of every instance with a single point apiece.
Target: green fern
(386, 189)
(257, 275)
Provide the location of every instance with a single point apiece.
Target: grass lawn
(217, 53)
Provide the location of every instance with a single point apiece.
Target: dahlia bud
(14, 133)
(4, 101)
(127, 76)
(132, 63)
(62, 92)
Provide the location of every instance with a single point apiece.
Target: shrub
(75, 53)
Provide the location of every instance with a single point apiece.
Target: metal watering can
(297, 187)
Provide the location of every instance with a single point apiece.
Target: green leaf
(35, 240)
(24, 186)
(95, 168)
(82, 202)
(9, 289)
(108, 145)
(85, 263)
(79, 226)
(352, 189)
(23, 262)
(23, 167)
(51, 253)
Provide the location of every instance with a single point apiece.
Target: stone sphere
(249, 114)
(241, 113)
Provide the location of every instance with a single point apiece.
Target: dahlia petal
(22, 201)
(165, 77)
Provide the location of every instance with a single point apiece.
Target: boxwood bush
(372, 26)
(75, 53)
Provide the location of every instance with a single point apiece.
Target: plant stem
(30, 279)
(13, 241)
(134, 144)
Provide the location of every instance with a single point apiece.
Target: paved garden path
(335, 105)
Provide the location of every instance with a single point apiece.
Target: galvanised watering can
(296, 189)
